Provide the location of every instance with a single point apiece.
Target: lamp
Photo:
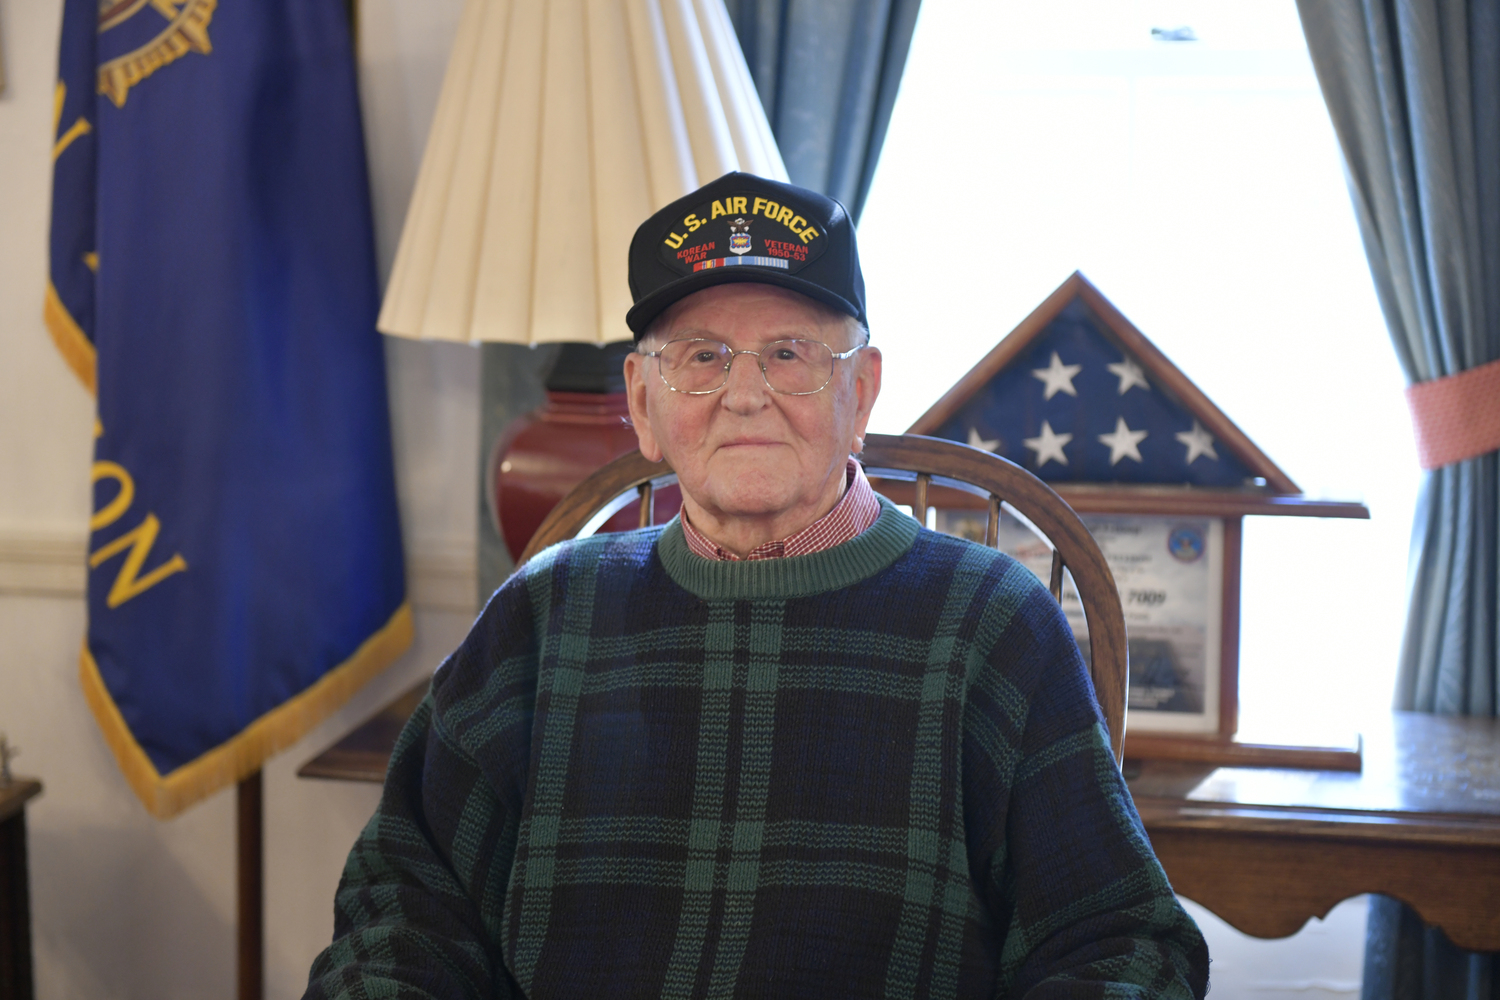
(561, 125)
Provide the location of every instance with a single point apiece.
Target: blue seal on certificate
(1185, 544)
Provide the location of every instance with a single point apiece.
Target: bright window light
(1198, 184)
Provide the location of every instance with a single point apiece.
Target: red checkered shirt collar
(855, 511)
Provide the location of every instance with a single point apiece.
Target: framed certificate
(1080, 398)
(1170, 574)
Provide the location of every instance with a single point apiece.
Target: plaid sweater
(874, 771)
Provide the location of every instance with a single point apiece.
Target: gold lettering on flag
(139, 540)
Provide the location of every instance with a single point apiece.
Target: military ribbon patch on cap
(742, 231)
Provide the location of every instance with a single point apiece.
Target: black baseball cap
(745, 228)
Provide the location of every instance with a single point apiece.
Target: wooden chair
(924, 462)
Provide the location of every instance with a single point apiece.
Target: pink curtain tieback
(1457, 416)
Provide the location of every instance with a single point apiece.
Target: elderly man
(790, 745)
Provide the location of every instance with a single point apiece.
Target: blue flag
(212, 277)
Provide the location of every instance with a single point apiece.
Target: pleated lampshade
(562, 125)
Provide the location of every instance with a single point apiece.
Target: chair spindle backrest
(925, 462)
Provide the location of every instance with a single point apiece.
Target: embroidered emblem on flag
(149, 45)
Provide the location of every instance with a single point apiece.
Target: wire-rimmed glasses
(699, 366)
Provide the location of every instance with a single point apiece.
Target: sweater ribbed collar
(845, 564)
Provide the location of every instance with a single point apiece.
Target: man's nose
(745, 386)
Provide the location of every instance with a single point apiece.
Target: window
(1198, 184)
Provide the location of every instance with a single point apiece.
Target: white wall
(124, 905)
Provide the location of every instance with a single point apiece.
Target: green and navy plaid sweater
(873, 771)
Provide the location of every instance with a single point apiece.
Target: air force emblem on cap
(739, 236)
(783, 240)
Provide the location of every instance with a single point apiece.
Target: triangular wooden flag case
(1080, 397)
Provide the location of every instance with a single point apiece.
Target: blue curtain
(1413, 88)
(827, 72)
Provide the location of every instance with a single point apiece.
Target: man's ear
(636, 392)
(867, 373)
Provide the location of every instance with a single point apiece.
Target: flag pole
(250, 830)
(251, 888)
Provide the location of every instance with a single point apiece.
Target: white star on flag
(1122, 443)
(1199, 442)
(1058, 377)
(1130, 374)
(975, 441)
(1048, 446)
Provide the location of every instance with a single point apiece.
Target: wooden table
(15, 908)
(1266, 848)
(365, 752)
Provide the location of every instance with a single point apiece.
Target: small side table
(1267, 848)
(15, 908)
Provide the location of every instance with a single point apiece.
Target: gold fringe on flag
(240, 757)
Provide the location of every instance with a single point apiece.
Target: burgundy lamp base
(583, 425)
